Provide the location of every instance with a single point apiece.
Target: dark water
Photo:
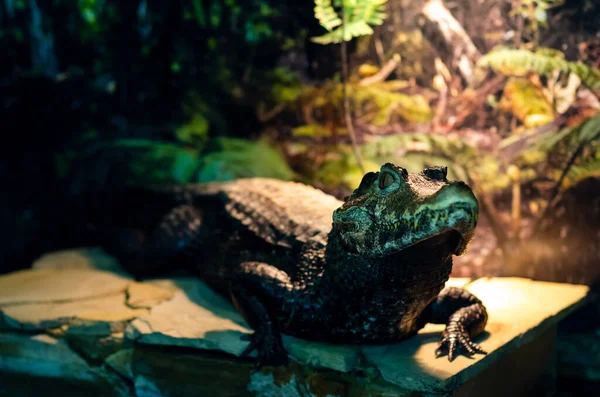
(24, 385)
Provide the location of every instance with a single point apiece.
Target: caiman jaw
(431, 220)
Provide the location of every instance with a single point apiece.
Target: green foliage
(387, 103)
(379, 104)
(586, 169)
(89, 10)
(152, 161)
(360, 14)
(527, 102)
(534, 151)
(230, 158)
(203, 120)
(250, 18)
(414, 151)
(343, 170)
(521, 62)
(316, 130)
(143, 161)
(195, 132)
(571, 137)
(326, 15)
(130, 160)
(285, 85)
(535, 11)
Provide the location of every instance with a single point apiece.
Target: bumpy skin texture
(375, 275)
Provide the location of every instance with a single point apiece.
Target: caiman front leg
(258, 290)
(465, 317)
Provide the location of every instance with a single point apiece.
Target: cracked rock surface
(78, 318)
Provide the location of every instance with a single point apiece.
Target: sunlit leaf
(519, 62)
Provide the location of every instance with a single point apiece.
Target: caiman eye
(385, 180)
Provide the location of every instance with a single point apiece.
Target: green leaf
(519, 62)
(311, 130)
(371, 11)
(360, 15)
(184, 165)
(345, 33)
(590, 168)
(571, 137)
(387, 104)
(590, 129)
(195, 132)
(326, 14)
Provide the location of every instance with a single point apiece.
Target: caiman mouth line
(427, 213)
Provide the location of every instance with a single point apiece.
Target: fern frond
(539, 145)
(590, 168)
(345, 33)
(370, 11)
(589, 130)
(361, 14)
(589, 75)
(326, 14)
(584, 133)
(520, 62)
(419, 149)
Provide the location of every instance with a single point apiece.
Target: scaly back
(281, 213)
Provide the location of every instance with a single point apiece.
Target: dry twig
(383, 73)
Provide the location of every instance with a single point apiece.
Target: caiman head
(393, 210)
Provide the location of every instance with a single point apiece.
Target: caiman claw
(268, 346)
(456, 337)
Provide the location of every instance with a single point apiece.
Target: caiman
(368, 270)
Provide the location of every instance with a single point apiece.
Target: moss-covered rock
(231, 158)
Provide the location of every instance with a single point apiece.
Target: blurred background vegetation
(96, 93)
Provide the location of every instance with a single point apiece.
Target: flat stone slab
(49, 285)
(147, 295)
(81, 258)
(38, 316)
(54, 295)
(195, 317)
(99, 314)
(519, 310)
(41, 355)
(36, 365)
